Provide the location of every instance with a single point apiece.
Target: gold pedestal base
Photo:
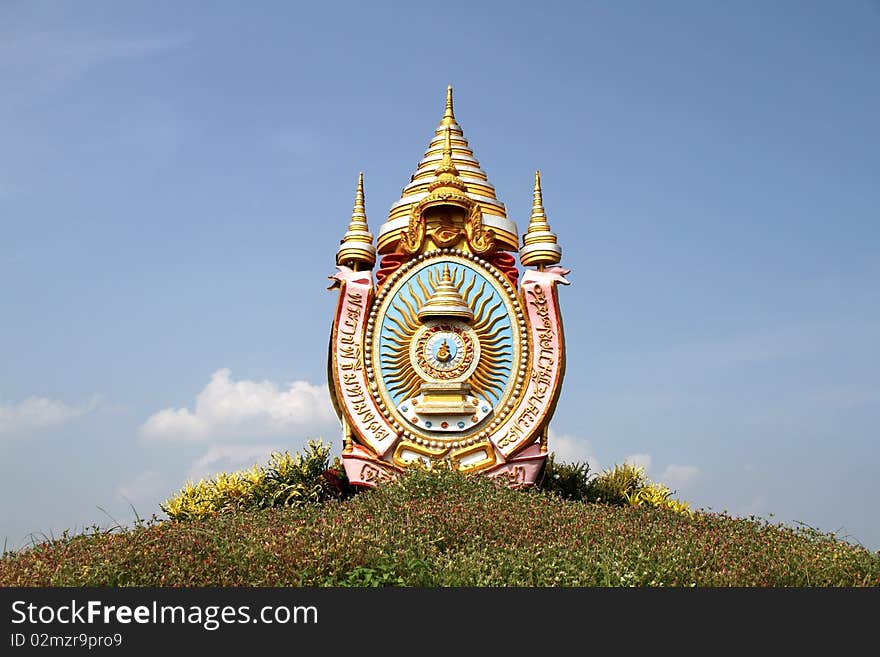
(445, 399)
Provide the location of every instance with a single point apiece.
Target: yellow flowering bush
(657, 496)
(287, 480)
(622, 485)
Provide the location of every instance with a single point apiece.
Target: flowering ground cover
(438, 528)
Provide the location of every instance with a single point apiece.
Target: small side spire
(539, 243)
(356, 247)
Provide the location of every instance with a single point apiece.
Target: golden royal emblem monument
(450, 353)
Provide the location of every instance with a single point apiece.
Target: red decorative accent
(388, 265)
(391, 262)
(444, 425)
(337, 482)
(506, 263)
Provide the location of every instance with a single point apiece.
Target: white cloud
(674, 476)
(179, 423)
(232, 458)
(569, 449)
(679, 476)
(232, 410)
(643, 460)
(36, 413)
(144, 490)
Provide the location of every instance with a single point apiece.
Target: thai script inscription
(544, 366)
(349, 357)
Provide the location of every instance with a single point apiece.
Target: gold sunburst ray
(479, 311)
(492, 324)
(394, 337)
(394, 347)
(394, 360)
(487, 376)
(492, 351)
(396, 350)
(408, 318)
(492, 363)
(409, 314)
(399, 374)
(484, 314)
(419, 302)
(495, 337)
(479, 295)
(485, 389)
(496, 346)
(408, 387)
(466, 295)
(458, 271)
(413, 313)
(402, 380)
(407, 328)
(423, 288)
(490, 315)
(395, 334)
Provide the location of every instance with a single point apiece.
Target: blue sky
(174, 182)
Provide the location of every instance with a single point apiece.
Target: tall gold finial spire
(359, 210)
(356, 247)
(448, 114)
(539, 243)
(538, 200)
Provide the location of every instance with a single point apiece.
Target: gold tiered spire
(356, 247)
(539, 243)
(474, 180)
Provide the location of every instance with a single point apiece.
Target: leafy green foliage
(438, 528)
(285, 481)
(571, 481)
(618, 485)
